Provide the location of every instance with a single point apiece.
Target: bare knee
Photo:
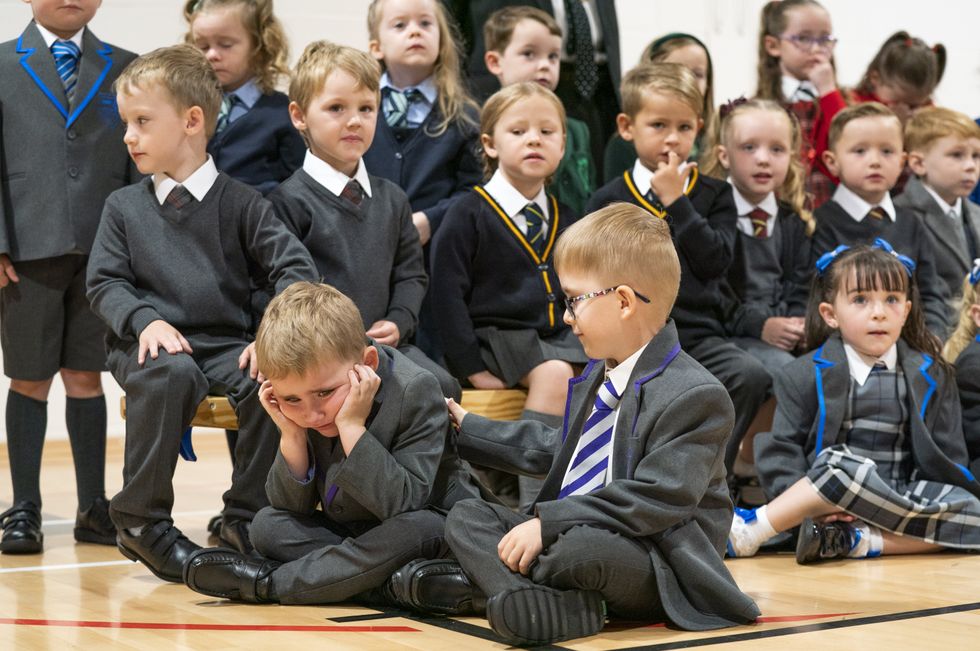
(34, 389)
(548, 386)
(82, 384)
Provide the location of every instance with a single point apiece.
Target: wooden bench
(214, 411)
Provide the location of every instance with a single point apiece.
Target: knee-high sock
(27, 419)
(531, 486)
(86, 420)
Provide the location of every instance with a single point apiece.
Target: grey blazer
(953, 260)
(402, 463)
(811, 398)
(668, 488)
(58, 163)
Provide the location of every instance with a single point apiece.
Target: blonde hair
(934, 122)
(499, 28)
(774, 24)
(856, 112)
(186, 75)
(671, 79)
(501, 101)
(306, 325)
(623, 243)
(454, 103)
(792, 190)
(320, 59)
(269, 57)
(966, 328)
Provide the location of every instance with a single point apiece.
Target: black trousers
(161, 399)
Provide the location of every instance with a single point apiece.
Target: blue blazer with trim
(58, 162)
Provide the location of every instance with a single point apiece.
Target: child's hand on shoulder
(783, 332)
(669, 179)
(822, 75)
(520, 546)
(269, 402)
(456, 413)
(486, 380)
(248, 360)
(7, 273)
(384, 332)
(160, 334)
(422, 225)
(351, 418)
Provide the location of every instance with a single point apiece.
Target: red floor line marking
(17, 621)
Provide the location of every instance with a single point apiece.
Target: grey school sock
(531, 486)
(86, 420)
(27, 419)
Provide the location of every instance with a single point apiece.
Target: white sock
(750, 528)
(135, 531)
(868, 541)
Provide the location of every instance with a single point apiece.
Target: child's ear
(828, 315)
(370, 357)
(374, 47)
(830, 160)
(625, 126)
(492, 59)
(297, 116)
(487, 141)
(772, 45)
(916, 163)
(975, 314)
(194, 120)
(722, 154)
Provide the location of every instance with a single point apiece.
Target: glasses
(806, 42)
(570, 302)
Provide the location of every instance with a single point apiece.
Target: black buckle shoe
(161, 547)
(214, 526)
(93, 525)
(436, 586)
(538, 615)
(233, 533)
(821, 542)
(21, 525)
(227, 574)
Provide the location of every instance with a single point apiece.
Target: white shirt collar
(509, 199)
(857, 207)
(642, 177)
(198, 183)
(620, 375)
(249, 93)
(945, 207)
(860, 369)
(794, 90)
(49, 37)
(427, 87)
(333, 179)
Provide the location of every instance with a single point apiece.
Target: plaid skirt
(938, 513)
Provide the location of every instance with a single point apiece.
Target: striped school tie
(66, 55)
(591, 460)
(535, 219)
(760, 223)
(878, 213)
(179, 197)
(224, 113)
(396, 104)
(353, 192)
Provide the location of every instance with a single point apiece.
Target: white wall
(728, 27)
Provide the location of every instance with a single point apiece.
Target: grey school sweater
(369, 252)
(188, 267)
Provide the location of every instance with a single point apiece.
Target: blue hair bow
(827, 258)
(906, 261)
(975, 273)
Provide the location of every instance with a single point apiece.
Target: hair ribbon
(906, 261)
(827, 258)
(975, 272)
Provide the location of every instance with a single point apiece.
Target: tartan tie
(66, 55)
(760, 223)
(396, 104)
(179, 197)
(586, 71)
(353, 192)
(878, 213)
(535, 219)
(590, 462)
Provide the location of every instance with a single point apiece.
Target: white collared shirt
(333, 179)
(198, 183)
(512, 202)
(857, 207)
(795, 90)
(642, 177)
(744, 207)
(50, 37)
(417, 111)
(859, 367)
(956, 209)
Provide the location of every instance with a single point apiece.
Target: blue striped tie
(590, 464)
(66, 55)
(535, 219)
(396, 104)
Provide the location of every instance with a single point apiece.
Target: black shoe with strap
(161, 547)
(93, 525)
(823, 542)
(21, 525)
(436, 586)
(228, 574)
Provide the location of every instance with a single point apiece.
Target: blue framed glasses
(571, 301)
(806, 42)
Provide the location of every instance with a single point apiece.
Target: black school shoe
(538, 615)
(822, 542)
(21, 525)
(93, 525)
(436, 586)
(233, 533)
(227, 574)
(161, 547)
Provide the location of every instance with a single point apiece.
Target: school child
(963, 350)
(689, 51)
(254, 141)
(662, 105)
(363, 437)
(756, 152)
(796, 69)
(867, 452)
(865, 153)
(524, 44)
(169, 276)
(636, 529)
(62, 154)
(943, 149)
(493, 283)
(356, 226)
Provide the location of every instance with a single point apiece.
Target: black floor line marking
(360, 618)
(807, 628)
(464, 628)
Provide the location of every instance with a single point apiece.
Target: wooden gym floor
(88, 596)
